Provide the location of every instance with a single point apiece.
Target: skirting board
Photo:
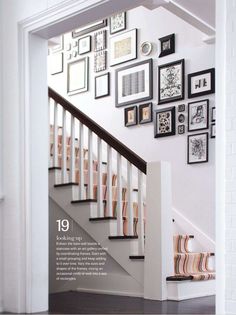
(120, 293)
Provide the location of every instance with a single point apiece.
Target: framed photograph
(146, 48)
(100, 40)
(164, 122)
(131, 116)
(117, 23)
(181, 129)
(198, 148)
(56, 63)
(198, 115)
(102, 85)
(84, 45)
(145, 113)
(171, 82)
(77, 76)
(167, 45)
(181, 108)
(89, 28)
(201, 83)
(213, 131)
(181, 118)
(123, 47)
(59, 46)
(134, 83)
(100, 61)
(213, 114)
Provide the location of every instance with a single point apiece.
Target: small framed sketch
(181, 129)
(134, 83)
(89, 28)
(181, 108)
(146, 48)
(164, 122)
(123, 47)
(56, 63)
(145, 113)
(181, 118)
(213, 131)
(77, 76)
(100, 61)
(117, 23)
(131, 116)
(102, 85)
(213, 114)
(171, 82)
(201, 83)
(198, 115)
(167, 45)
(100, 40)
(84, 45)
(198, 148)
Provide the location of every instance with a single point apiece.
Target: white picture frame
(56, 63)
(84, 45)
(77, 76)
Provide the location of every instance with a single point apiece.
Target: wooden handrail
(131, 156)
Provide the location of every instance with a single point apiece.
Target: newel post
(159, 255)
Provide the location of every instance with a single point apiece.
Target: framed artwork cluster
(142, 115)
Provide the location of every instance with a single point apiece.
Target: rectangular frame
(213, 131)
(85, 76)
(56, 63)
(90, 42)
(89, 28)
(126, 110)
(213, 114)
(207, 149)
(96, 96)
(124, 16)
(207, 112)
(173, 123)
(141, 107)
(211, 89)
(103, 56)
(171, 50)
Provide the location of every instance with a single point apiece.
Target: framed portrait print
(171, 82)
(84, 45)
(181, 118)
(145, 113)
(198, 148)
(181, 129)
(102, 85)
(167, 45)
(201, 83)
(77, 76)
(56, 63)
(213, 131)
(100, 61)
(117, 23)
(100, 40)
(134, 83)
(164, 122)
(213, 114)
(131, 116)
(89, 28)
(123, 47)
(198, 115)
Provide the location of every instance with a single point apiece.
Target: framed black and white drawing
(171, 82)
(117, 23)
(181, 108)
(213, 114)
(181, 129)
(84, 45)
(198, 113)
(100, 61)
(198, 148)
(56, 63)
(167, 45)
(77, 76)
(100, 40)
(201, 83)
(131, 116)
(123, 47)
(164, 122)
(102, 85)
(145, 113)
(134, 83)
(89, 28)
(213, 131)
(181, 118)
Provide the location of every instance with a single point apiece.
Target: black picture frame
(103, 34)
(172, 132)
(201, 103)
(161, 88)
(119, 86)
(90, 44)
(181, 129)
(103, 56)
(213, 135)
(181, 118)
(141, 119)
(181, 108)
(213, 119)
(201, 81)
(126, 113)
(167, 44)
(90, 28)
(96, 96)
(206, 135)
(121, 29)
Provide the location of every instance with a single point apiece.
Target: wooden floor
(87, 303)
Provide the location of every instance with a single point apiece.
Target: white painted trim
(110, 292)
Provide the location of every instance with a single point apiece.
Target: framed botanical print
(167, 45)
(123, 47)
(171, 82)
(102, 85)
(213, 131)
(56, 63)
(198, 148)
(134, 83)
(198, 115)
(117, 23)
(100, 40)
(89, 28)
(77, 76)
(201, 83)
(164, 122)
(100, 61)
(131, 116)
(213, 114)
(145, 113)
(84, 45)
(181, 129)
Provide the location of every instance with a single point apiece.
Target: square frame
(181, 108)
(207, 149)
(147, 120)
(172, 132)
(123, 16)
(170, 39)
(84, 88)
(200, 112)
(126, 112)
(89, 37)
(89, 28)
(96, 85)
(201, 75)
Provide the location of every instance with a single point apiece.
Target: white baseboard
(108, 292)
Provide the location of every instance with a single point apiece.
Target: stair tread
(124, 237)
(84, 200)
(136, 257)
(102, 218)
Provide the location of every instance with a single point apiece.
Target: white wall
(193, 185)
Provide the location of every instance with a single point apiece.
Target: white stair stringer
(120, 250)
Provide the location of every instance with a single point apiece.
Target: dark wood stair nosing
(179, 278)
(83, 201)
(66, 184)
(125, 237)
(97, 219)
(137, 257)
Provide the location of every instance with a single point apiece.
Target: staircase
(123, 203)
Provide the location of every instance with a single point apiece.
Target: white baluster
(130, 199)
(99, 180)
(55, 136)
(119, 197)
(49, 133)
(109, 181)
(140, 214)
(81, 161)
(72, 150)
(90, 164)
(64, 148)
